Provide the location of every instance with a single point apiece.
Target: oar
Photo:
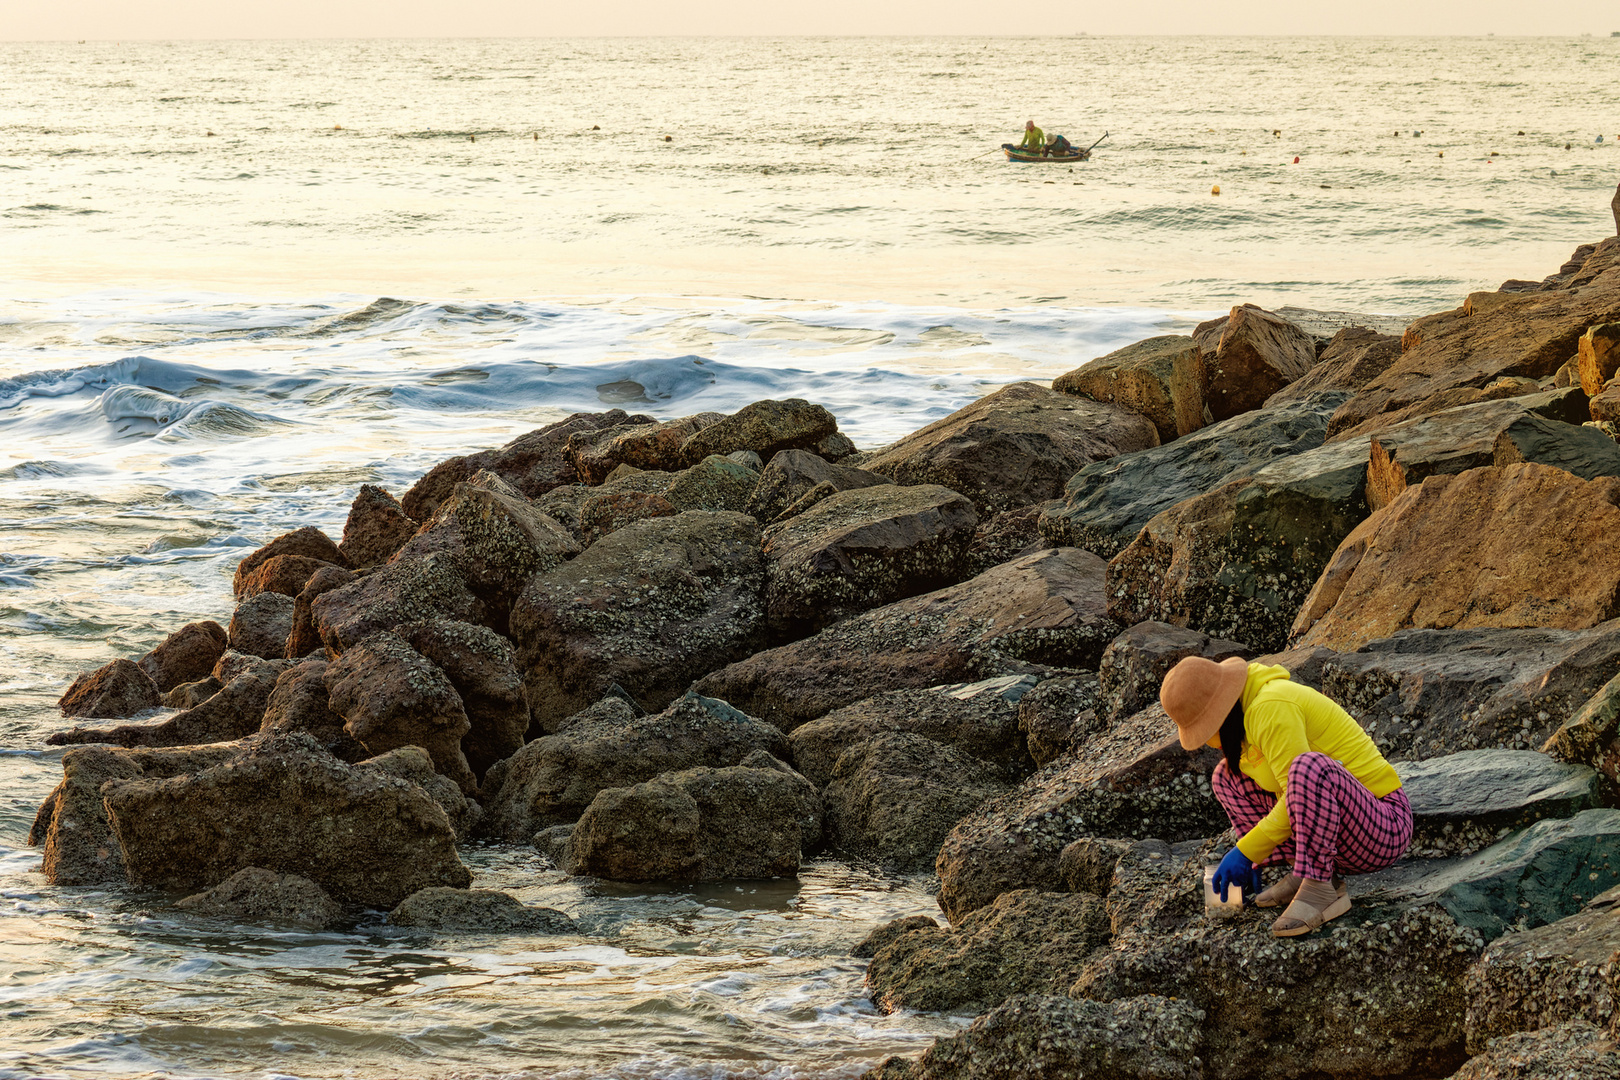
(976, 157)
(1093, 146)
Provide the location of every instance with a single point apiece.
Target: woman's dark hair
(1232, 737)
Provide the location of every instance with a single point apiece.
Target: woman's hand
(1236, 869)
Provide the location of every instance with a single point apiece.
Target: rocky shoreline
(711, 647)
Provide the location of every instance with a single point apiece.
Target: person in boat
(1033, 140)
(1300, 781)
(1058, 146)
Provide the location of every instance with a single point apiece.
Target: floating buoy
(537, 136)
(337, 127)
(1276, 133)
(1415, 134)
(209, 133)
(1600, 138)
(1521, 131)
(669, 138)
(1244, 153)
(1493, 153)
(1216, 190)
(596, 127)
(1296, 160)
(1397, 134)
(472, 138)
(1441, 154)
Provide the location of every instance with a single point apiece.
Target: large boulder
(703, 824)
(505, 539)
(1058, 715)
(308, 542)
(1046, 608)
(446, 909)
(1248, 356)
(715, 483)
(1135, 663)
(1158, 378)
(1015, 447)
(1576, 1050)
(482, 667)
(765, 427)
(286, 805)
(1472, 550)
(1492, 335)
(1591, 735)
(1060, 1038)
(1353, 358)
(300, 701)
(1529, 878)
(113, 691)
(860, 549)
(284, 574)
(233, 713)
(390, 695)
(533, 463)
(71, 824)
(254, 894)
(186, 655)
(305, 638)
(553, 779)
(1132, 780)
(595, 454)
(1377, 995)
(978, 719)
(792, 474)
(262, 624)
(1238, 562)
(1543, 428)
(893, 798)
(1545, 977)
(651, 607)
(1027, 942)
(1107, 503)
(1467, 801)
(377, 527)
(406, 590)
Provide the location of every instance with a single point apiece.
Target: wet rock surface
(308, 542)
(254, 894)
(765, 427)
(233, 713)
(453, 910)
(1147, 378)
(186, 655)
(115, 690)
(791, 474)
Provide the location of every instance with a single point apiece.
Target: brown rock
(304, 638)
(1132, 780)
(1047, 608)
(406, 590)
(861, 549)
(1523, 334)
(1025, 942)
(1135, 663)
(1059, 715)
(1354, 357)
(1605, 406)
(1569, 405)
(651, 607)
(1249, 356)
(377, 527)
(481, 665)
(232, 663)
(390, 695)
(284, 574)
(792, 473)
(190, 695)
(255, 894)
(533, 463)
(1598, 357)
(505, 538)
(596, 454)
(1591, 735)
(765, 427)
(309, 542)
(1014, 447)
(233, 713)
(1003, 537)
(186, 655)
(611, 511)
(114, 690)
(1088, 864)
(262, 624)
(288, 806)
(72, 822)
(1472, 551)
(700, 824)
(553, 779)
(868, 946)
(301, 702)
(1543, 977)
(1141, 378)
(1564, 1052)
(894, 797)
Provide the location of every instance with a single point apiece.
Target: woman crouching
(1300, 781)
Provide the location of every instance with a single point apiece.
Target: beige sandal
(1315, 903)
(1280, 893)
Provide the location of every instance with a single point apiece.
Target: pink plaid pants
(1339, 826)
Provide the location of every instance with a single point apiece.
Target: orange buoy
(1296, 161)
(669, 138)
(1216, 190)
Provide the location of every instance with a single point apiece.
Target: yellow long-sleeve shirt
(1283, 720)
(1033, 139)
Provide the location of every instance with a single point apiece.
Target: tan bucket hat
(1198, 694)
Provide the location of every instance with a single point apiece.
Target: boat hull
(1035, 157)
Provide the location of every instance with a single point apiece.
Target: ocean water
(390, 252)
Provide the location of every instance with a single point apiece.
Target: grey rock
(404, 591)
(482, 667)
(506, 539)
(1544, 977)
(792, 473)
(765, 427)
(715, 483)
(1571, 1051)
(1354, 356)
(1467, 801)
(254, 894)
(234, 712)
(1135, 663)
(1088, 864)
(1059, 715)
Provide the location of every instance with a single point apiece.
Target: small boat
(1015, 154)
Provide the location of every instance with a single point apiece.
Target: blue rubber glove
(1236, 869)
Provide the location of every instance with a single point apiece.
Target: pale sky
(30, 20)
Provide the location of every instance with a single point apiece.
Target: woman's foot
(1279, 894)
(1315, 903)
